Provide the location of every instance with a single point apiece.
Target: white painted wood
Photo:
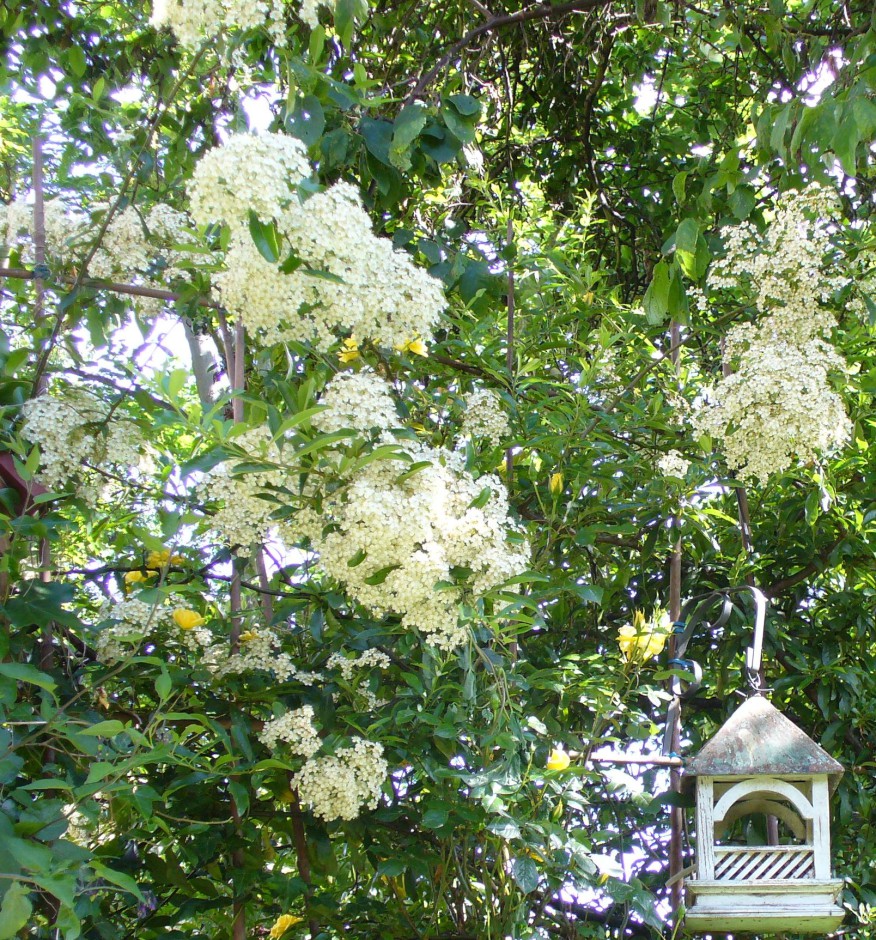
(705, 829)
(821, 825)
(769, 807)
(764, 786)
(754, 863)
(803, 906)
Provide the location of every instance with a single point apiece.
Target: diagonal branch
(541, 11)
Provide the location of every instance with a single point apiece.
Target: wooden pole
(676, 818)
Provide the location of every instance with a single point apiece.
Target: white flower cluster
(244, 514)
(258, 652)
(63, 230)
(195, 21)
(778, 406)
(672, 464)
(359, 401)
(123, 248)
(414, 545)
(485, 417)
(75, 432)
(785, 268)
(348, 282)
(340, 785)
(142, 251)
(249, 172)
(372, 658)
(134, 619)
(296, 729)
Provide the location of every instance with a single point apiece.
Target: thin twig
(539, 12)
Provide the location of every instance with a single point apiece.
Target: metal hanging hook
(693, 615)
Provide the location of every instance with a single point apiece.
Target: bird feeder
(763, 828)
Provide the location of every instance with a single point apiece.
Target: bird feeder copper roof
(758, 739)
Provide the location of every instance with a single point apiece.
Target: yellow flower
(556, 483)
(248, 635)
(134, 577)
(641, 640)
(187, 619)
(350, 352)
(416, 346)
(559, 759)
(160, 559)
(283, 923)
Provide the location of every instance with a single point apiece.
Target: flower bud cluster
(195, 21)
(778, 406)
(63, 230)
(339, 786)
(672, 464)
(485, 417)
(372, 658)
(343, 280)
(295, 729)
(414, 545)
(259, 651)
(133, 619)
(76, 431)
(243, 516)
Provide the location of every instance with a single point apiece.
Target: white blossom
(672, 464)
(339, 786)
(485, 417)
(249, 172)
(295, 728)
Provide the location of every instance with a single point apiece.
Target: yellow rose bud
(556, 483)
(134, 577)
(187, 619)
(177, 560)
(248, 636)
(559, 759)
(282, 924)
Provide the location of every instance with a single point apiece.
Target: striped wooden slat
(765, 864)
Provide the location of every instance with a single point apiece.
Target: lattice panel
(765, 863)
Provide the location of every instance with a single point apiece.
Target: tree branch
(541, 11)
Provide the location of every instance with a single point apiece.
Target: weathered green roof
(758, 739)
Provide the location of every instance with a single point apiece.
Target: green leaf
(38, 603)
(76, 58)
(410, 121)
(481, 499)
(15, 910)
(306, 121)
(163, 684)
(118, 878)
(742, 201)
(378, 138)
(381, 575)
(357, 559)
(460, 113)
(506, 828)
(679, 184)
(22, 672)
(525, 873)
(266, 238)
(686, 236)
(104, 729)
(656, 301)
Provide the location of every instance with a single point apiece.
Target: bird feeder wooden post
(761, 764)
